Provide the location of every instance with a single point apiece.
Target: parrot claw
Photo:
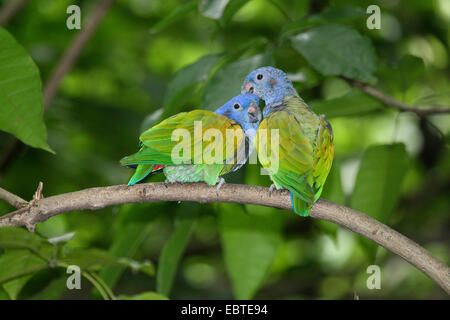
(166, 183)
(272, 187)
(220, 183)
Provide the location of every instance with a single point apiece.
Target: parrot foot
(166, 183)
(220, 183)
(272, 187)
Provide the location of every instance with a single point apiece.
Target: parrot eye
(236, 106)
(259, 76)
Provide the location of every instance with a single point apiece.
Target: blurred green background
(151, 59)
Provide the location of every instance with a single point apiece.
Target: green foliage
(16, 264)
(27, 253)
(91, 259)
(52, 291)
(408, 70)
(250, 239)
(333, 191)
(213, 8)
(145, 296)
(227, 81)
(335, 14)
(231, 9)
(173, 249)
(145, 267)
(337, 50)
(185, 80)
(221, 10)
(131, 231)
(125, 245)
(20, 94)
(177, 14)
(351, 104)
(17, 238)
(379, 182)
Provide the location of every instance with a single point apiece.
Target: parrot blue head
(271, 85)
(243, 109)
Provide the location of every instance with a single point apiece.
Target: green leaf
(150, 120)
(132, 229)
(343, 13)
(18, 238)
(53, 227)
(337, 50)
(332, 191)
(28, 252)
(53, 290)
(146, 266)
(227, 81)
(182, 84)
(133, 225)
(14, 287)
(409, 70)
(3, 294)
(125, 244)
(62, 238)
(231, 9)
(180, 12)
(353, 103)
(18, 263)
(378, 184)
(174, 248)
(400, 78)
(250, 242)
(145, 296)
(212, 8)
(88, 259)
(333, 15)
(21, 108)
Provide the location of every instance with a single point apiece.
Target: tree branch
(393, 103)
(10, 10)
(98, 198)
(12, 199)
(64, 65)
(73, 51)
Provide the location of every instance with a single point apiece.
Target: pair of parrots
(305, 141)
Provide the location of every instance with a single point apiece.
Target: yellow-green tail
(142, 171)
(299, 206)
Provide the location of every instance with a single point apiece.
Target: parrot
(240, 115)
(305, 148)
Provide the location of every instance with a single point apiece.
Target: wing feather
(304, 162)
(158, 142)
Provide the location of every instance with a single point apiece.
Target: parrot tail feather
(299, 206)
(143, 170)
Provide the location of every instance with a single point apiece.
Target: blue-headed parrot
(305, 146)
(209, 152)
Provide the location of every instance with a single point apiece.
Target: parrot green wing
(160, 141)
(295, 154)
(323, 156)
(305, 154)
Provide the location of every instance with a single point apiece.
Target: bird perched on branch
(199, 145)
(306, 148)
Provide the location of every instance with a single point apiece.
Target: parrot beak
(247, 87)
(254, 113)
